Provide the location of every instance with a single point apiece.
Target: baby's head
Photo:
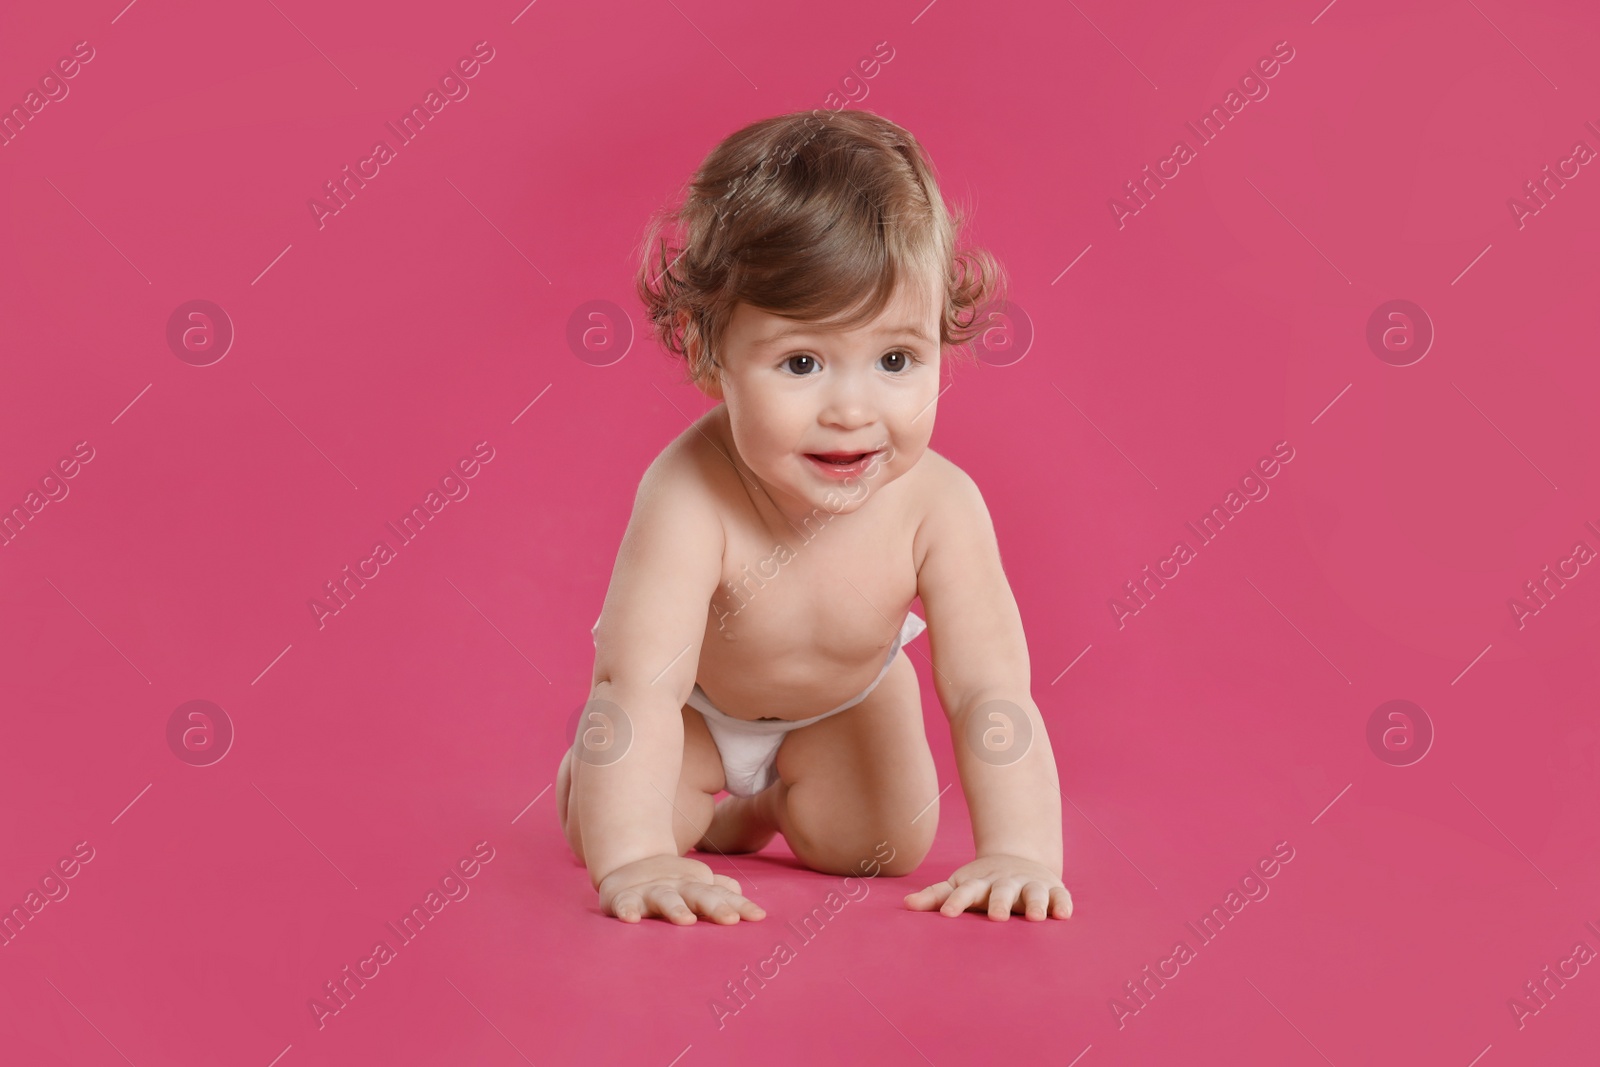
(827, 228)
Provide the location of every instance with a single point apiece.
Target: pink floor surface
(1431, 540)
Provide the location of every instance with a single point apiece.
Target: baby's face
(813, 393)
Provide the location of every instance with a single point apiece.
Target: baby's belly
(772, 683)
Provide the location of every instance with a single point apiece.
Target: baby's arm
(1003, 754)
(647, 650)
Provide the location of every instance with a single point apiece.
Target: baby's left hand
(1001, 884)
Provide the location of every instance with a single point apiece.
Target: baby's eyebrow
(804, 329)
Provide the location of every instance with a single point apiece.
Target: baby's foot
(741, 824)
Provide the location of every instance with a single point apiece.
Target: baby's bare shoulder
(948, 502)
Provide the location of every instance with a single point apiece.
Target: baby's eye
(803, 368)
(899, 360)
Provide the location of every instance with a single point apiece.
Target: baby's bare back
(804, 614)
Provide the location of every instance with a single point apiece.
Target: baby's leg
(858, 779)
(699, 780)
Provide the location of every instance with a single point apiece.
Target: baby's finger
(1060, 902)
(929, 898)
(712, 901)
(726, 882)
(965, 895)
(1036, 901)
(665, 901)
(1002, 895)
(627, 906)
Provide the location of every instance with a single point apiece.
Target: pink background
(372, 753)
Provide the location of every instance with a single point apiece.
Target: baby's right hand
(676, 888)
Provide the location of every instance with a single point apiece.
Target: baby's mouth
(839, 459)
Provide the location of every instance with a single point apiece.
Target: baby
(751, 638)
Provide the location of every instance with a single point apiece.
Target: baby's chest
(839, 589)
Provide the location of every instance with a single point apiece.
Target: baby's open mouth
(840, 459)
